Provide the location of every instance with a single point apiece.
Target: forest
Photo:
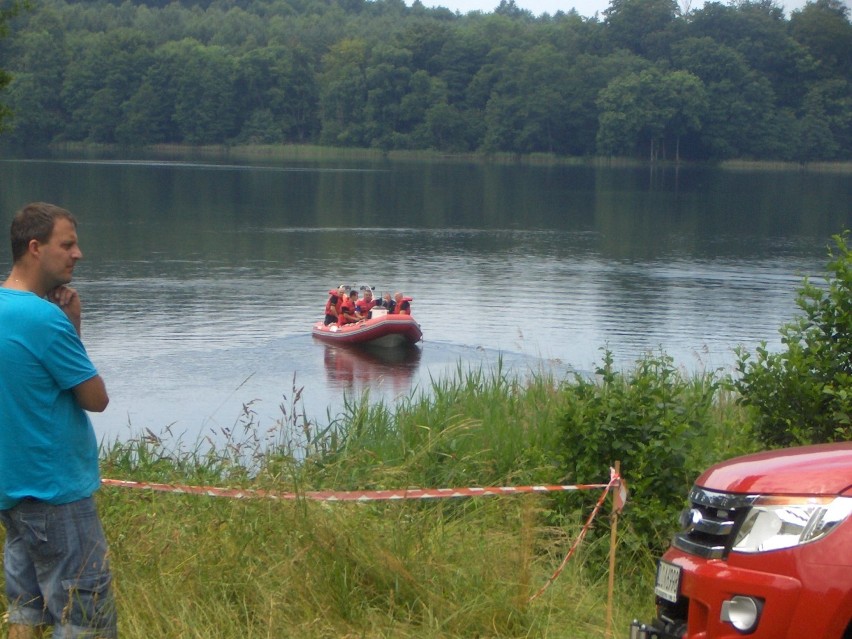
(647, 79)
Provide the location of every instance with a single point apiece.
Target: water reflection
(357, 367)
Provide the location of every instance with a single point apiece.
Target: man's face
(59, 254)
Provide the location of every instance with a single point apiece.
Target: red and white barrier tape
(348, 495)
(393, 495)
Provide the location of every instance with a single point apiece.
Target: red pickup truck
(765, 551)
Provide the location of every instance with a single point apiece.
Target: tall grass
(475, 428)
(197, 566)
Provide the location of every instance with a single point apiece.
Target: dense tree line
(739, 80)
(7, 11)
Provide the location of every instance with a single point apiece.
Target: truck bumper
(707, 588)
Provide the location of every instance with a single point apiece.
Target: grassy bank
(199, 566)
(316, 153)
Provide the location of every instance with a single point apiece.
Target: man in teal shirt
(55, 558)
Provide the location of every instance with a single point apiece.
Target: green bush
(652, 420)
(803, 394)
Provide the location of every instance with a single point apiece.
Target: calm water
(200, 280)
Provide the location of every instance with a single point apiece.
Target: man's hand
(68, 300)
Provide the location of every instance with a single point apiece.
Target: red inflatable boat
(381, 330)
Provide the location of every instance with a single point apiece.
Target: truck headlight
(773, 523)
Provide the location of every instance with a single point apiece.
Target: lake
(200, 279)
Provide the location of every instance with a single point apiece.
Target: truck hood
(824, 469)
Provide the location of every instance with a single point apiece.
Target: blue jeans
(57, 570)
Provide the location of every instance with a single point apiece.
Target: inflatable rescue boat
(382, 329)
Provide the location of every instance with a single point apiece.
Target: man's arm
(92, 394)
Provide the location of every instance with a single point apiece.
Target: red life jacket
(346, 308)
(333, 301)
(403, 307)
(363, 306)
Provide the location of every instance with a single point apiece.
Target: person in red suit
(332, 307)
(348, 313)
(402, 304)
(365, 304)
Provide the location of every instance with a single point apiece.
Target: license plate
(668, 581)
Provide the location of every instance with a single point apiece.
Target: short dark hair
(35, 221)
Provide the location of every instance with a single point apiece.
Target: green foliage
(641, 25)
(803, 394)
(8, 10)
(737, 120)
(823, 28)
(651, 419)
(639, 110)
(647, 81)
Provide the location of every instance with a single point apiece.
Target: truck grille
(711, 522)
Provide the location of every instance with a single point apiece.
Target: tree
(638, 109)
(423, 93)
(343, 93)
(641, 26)
(527, 111)
(823, 27)
(687, 100)
(36, 118)
(205, 100)
(460, 58)
(149, 113)
(277, 85)
(738, 121)
(38, 114)
(803, 394)
(447, 128)
(388, 82)
(7, 12)
(586, 78)
(757, 31)
(509, 9)
(425, 39)
(826, 122)
(105, 70)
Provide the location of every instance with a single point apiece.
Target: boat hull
(386, 331)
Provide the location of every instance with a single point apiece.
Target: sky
(586, 8)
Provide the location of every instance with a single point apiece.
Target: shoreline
(309, 152)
